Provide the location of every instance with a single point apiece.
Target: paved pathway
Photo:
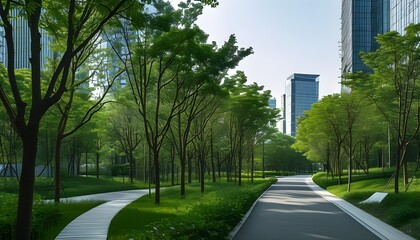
(296, 208)
(94, 224)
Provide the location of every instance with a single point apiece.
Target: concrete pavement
(94, 223)
(296, 208)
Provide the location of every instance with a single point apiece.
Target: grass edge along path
(401, 210)
(49, 219)
(209, 215)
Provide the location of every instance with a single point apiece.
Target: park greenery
(212, 215)
(161, 105)
(376, 122)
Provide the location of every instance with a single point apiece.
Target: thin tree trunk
(26, 183)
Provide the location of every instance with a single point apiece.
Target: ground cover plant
(209, 215)
(400, 210)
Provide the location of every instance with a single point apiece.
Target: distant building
(361, 22)
(302, 90)
(22, 43)
(272, 102)
(403, 13)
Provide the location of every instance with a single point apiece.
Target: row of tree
(382, 109)
(178, 97)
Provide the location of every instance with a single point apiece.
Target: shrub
(43, 216)
(210, 220)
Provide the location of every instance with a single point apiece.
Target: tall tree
(249, 112)
(206, 93)
(321, 133)
(393, 87)
(76, 21)
(159, 58)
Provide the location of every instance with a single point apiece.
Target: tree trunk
(157, 174)
(183, 177)
(26, 183)
(397, 170)
(212, 157)
(97, 157)
(172, 166)
(57, 171)
(405, 174)
(252, 165)
(202, 174)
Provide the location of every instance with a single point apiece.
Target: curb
(376, 226)
(245, 217)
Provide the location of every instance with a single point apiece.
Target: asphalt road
(291, 210)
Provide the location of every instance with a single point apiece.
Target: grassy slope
(399, 210)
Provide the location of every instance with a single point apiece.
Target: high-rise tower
(403, 13)
(361, 22)
(302, 90)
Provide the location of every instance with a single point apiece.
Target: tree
(393, 87)
(249, 112)
(206, 94)
(159, 58)
(321, 133)
(282, 157)
(76, 21)
(125, 127)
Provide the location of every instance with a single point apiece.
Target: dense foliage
(149, 105)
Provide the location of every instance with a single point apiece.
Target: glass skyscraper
(403, 13)
(362, 21)
(22, 43)
(302, 90)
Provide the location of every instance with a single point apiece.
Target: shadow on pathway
(296, 208)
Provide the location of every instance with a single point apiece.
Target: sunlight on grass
(143, 216)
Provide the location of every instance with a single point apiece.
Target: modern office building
(403, 13)
(302, 90)
(361, 22)
(22, 41)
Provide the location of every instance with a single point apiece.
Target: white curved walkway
(94, 223)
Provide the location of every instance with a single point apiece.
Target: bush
(119, 169)
(43, 217)
(8, 206)
(210, 220)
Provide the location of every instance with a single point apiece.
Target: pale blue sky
(288, 36)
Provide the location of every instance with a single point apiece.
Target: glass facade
(403, 13)
(302, 90)
(22, 41)
(362, 21)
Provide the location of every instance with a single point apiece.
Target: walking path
(296, 208)
(94, 224)
(292, 208)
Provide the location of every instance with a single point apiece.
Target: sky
(287, 36)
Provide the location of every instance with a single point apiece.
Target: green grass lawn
(51, 219)
(72, 186)
(211, 215)
(400, 210)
